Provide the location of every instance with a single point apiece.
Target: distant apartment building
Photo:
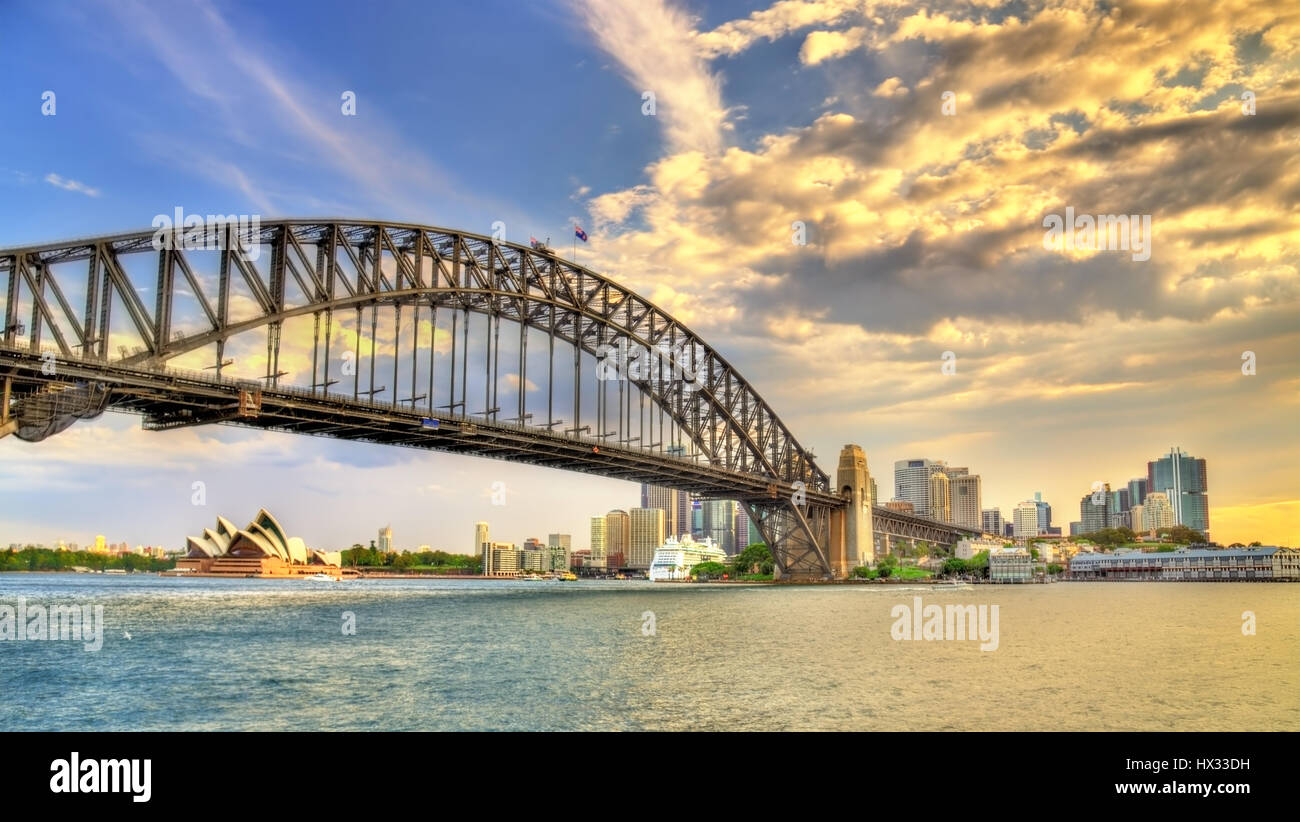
(386, 539)
(964, 492)
(618, 538)
(1011, 565)
(1025, 519)
(1076, 528)
(480, 537)
(597, 550)
(505, 560)
(1135, 518)
(1190, 565)
(1157, 512)
(646, 535)
(940, 501)
(1182, 479)
(991, 520)
(1044, 513)
(720, 523)
(1137, 491)
(666, 500)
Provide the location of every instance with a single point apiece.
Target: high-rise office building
(912, 483)
(1137, 491)
(666, 500)
(1025, 519)
(618, 538)
(598, 540)
(386, 539)
(1044, 513)
(745, 534)
(991, 520)
(1094, 511)
(647, 536)
(964, 491)
(697, 518)
(1157, 512)
(480, 537)
(719, 523)
(875, 493)
(1119, 507)
(940, 501)
(1182, 479)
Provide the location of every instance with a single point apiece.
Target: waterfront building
(506, 560)
(561, 548)
(261, 549)
(1190, 565)
(647, 534)
(964, 491)
(1182, 479)
(967, 548)
(675, 558)
(618, 538)
(1026, 519)
(1157, 512)
(940, 501)
(1095, 516)
(1011, 565)
(386, 539)
(991, 520)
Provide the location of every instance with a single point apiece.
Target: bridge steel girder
(395, 265)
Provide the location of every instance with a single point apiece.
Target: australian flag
(579, 233)
(533, 242)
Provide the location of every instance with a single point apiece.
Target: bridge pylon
(852, 541)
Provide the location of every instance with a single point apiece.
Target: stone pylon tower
(854, 484)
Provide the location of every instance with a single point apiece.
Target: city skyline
(1066, 369)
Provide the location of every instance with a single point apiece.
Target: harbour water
(212, 654)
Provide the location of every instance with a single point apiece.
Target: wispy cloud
(71, 185)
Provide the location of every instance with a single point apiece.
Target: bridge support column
(854, 483)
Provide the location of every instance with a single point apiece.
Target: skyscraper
(720, 523)
(386, 539)
(666, 500)
(1044, 513)
(598, 540)
(480, 537)
(647, 536)
(940, 501)
(1095, 516)
(560, 547)
(1182, 479)
(991, 520)
(1137, 491)
(1026, 519)
(912, 483)
(744, 533)
(1135, 518)
(964, 491)
(618, 537)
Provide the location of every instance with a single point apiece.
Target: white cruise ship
(675, 559)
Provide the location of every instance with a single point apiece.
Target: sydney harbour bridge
(420, 337)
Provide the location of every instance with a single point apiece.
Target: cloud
(71, 185)
(654, 45)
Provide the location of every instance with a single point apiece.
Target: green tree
(862, 572)
(709, 570)
(884, 571)
(953, 567)
(1054, 569)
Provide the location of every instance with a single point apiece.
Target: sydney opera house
(262, 549)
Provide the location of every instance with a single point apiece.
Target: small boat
(533, 578)
(321, 578)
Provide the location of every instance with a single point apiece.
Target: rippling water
(208, 654)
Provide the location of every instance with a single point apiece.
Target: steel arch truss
(297, 268)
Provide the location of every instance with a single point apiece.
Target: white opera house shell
(262, 547)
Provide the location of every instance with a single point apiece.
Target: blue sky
(926, 227)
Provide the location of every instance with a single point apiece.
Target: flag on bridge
(533, 242)
(579, 233)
